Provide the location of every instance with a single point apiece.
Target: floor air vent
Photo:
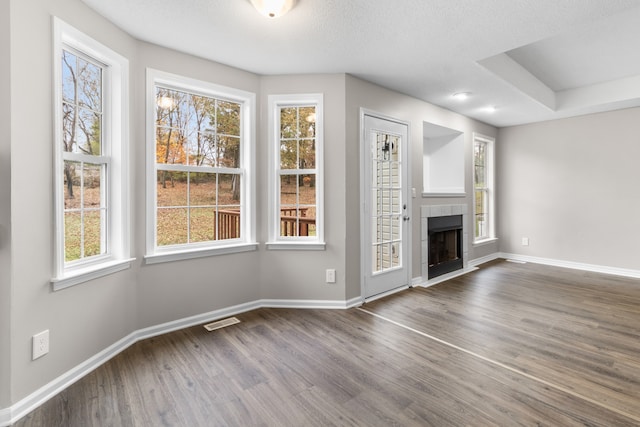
(221, 324)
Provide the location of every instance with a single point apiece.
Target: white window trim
(116, 108)
(157, 254)
(276, 242)
(491, 237)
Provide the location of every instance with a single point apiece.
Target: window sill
(179, 255)
(296, 246)
(91, 273)
(485, 241)
(428, 195)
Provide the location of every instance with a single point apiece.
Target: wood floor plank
(511, 344)
(545, 328)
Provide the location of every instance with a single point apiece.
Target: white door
(385, 201)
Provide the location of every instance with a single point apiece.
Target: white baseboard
(476, 262)
(196, 320)
(355, 302)
(329, 304)
(46, 392)
(5, 417)
(12, 414)
(595, 268)
(625, 272)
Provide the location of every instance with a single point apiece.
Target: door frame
(364, 153)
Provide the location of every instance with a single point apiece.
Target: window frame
(114, 155)
(488, 190)
(247, 241)
(275, 104)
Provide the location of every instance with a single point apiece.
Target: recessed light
(491, 109)
(461, 95)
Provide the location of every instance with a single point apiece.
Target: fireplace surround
(448, 229)
(445, 245)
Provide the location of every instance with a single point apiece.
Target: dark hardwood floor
(509, 344)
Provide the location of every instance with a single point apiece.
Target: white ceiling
(532, 59)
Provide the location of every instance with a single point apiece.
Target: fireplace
(449, 251)
(445, 245)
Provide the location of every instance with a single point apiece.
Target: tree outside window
(91, 169)
(296, 138)
(198, 182)
(297, 171)
(483, 188)
(85, 166)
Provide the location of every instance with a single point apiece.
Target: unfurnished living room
(310, 213)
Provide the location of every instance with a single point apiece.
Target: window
(91, 175)
(200, 164)
(296, 190)
(483, 188)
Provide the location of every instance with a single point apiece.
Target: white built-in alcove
(443, 161)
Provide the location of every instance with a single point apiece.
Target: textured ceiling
(532, 59)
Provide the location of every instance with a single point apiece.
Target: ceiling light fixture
(273, 8)
(491, 109)
(461, 96)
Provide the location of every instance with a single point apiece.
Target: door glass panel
(386, 202)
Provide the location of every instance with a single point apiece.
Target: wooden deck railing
(289, 221)
(228, 224)
(292, 211)
(290, 224)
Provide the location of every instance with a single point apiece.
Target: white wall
(444, 168)
(367, 95)
(571, 186)
(5, 208)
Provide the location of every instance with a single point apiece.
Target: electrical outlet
(40, 344)
(331, 275)
(525, 241)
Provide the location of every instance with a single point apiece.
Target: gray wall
(301, 274)
(145, 295)
(174, 290)
(5, 208)
(82, 320)
(556, 182)
(85, 319)
(571, 186)
(362, 94)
